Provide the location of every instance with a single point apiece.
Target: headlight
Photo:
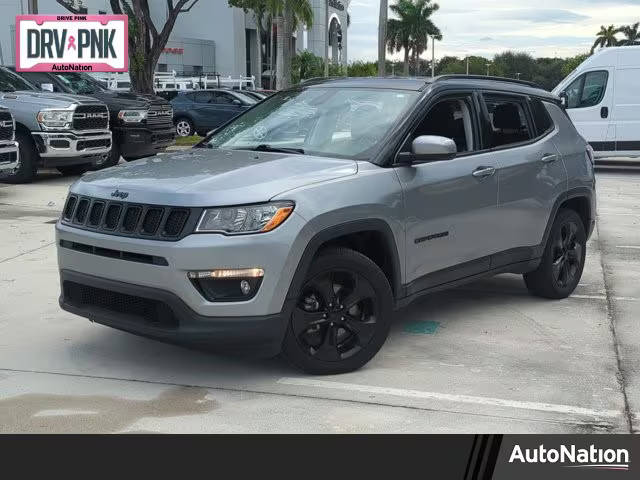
(132, 116)
(245, 219)
(55, 118)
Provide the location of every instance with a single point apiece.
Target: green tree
(606, 37)
(409, 31)
(289, 14)
(306, 65)
(632, 34)
(362, 69)
(514, 65)
(570, 64)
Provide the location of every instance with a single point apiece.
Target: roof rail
(483, 77)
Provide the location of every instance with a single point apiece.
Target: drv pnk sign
(77, 43)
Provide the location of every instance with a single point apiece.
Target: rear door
(520, 133)
(591, 101)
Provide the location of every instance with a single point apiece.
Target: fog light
(229, 273)
(228, 285)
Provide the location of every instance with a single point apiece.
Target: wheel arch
(381, 249)
(579, 199)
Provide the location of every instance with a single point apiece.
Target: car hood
(127, 99)
(48, 100)
(202, 177)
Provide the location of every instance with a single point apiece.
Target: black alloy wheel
(336, 315)
(567, 255)
(342, 315)
(563, 260)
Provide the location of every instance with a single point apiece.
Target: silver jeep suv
(302, 225)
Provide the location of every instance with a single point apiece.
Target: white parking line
(485, 401)
(602, 297)
(628, 247)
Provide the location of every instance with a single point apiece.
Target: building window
(162, 67)
(248, 42)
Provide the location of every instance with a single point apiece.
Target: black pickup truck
(142, 125)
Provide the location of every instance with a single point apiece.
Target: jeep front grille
(130, 219)
(91, 117)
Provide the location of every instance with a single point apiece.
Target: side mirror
(237, 103)
(564, 99)
(430, 148)
(46, 87)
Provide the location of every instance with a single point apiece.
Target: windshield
(10, 82)
(347, 122)
(246, 98)
(80, 83)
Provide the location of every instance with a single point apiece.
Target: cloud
(536, 15)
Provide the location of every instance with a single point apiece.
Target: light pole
(433, 56)
(518, 75)
(467, 64)
(326, 39)
(488, 66)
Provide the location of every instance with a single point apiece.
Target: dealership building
(212, 37)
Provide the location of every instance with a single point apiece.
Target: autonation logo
(573, 457)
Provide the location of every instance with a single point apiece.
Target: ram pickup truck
(142, 125)
(68, 132)
(8, 146)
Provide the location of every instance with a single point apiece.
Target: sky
(551, 28)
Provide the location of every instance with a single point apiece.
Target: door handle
(482, 172)
(549, 158)
(604, 112)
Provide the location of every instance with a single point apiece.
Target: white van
(603, 100)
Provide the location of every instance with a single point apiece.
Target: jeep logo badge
(119, 194)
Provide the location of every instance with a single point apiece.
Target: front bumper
(161, 315)
(143, 142)
(55, 147)
(9, 158)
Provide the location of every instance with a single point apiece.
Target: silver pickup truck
(67, 132)
(8, 145)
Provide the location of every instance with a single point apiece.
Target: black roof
(420, 83)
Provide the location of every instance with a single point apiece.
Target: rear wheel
(343, 315)
(184, 127)
(28, 162)
(562, 263)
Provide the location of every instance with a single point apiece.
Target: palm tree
(632, 34)
(423, 29)
(290, 13)
(606, 37)
(382, 38)
(409, 31)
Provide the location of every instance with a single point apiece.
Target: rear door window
(508, 123)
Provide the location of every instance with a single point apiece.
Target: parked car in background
(8, 146)
(253, 94)
(142, 125)
(301, 225)
(203, 110)
(602, 97)
(68, 132)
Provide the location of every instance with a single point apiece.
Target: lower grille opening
(152, 312)
(107, 252)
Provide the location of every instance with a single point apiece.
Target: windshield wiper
(269, 148)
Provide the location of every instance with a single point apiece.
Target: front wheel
(342, 316)
(184, 127)
(563, 260)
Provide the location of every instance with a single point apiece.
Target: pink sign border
(97, 67)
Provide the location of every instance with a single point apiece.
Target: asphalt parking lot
(483, 358)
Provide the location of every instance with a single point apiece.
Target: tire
(112, 159)
(28, 163)
(342, 317)
(184, 127)
(563, 260)
(74, 169)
